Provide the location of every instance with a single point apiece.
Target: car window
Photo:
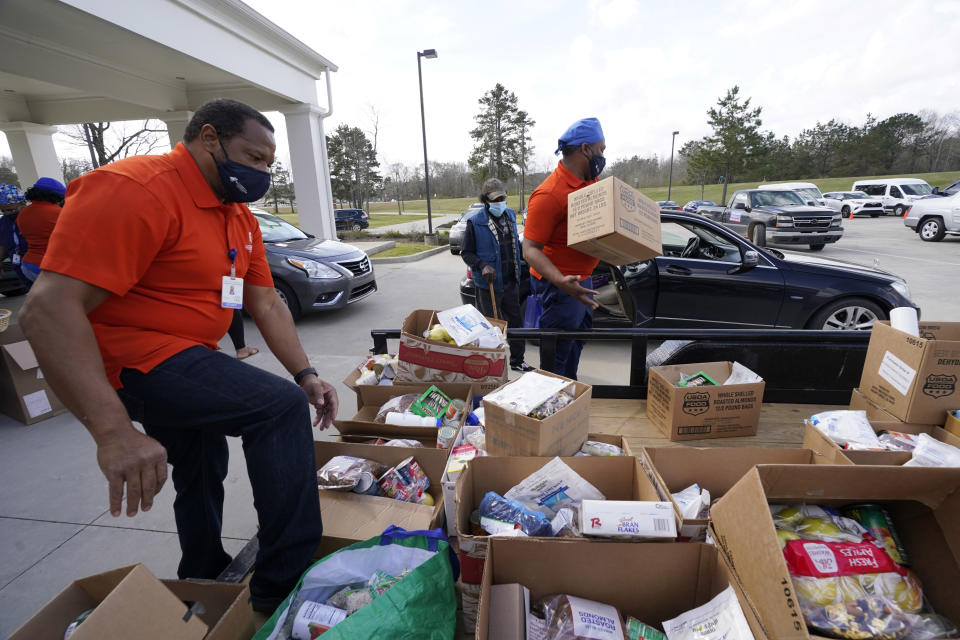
(872, 189)
(712, 246)
(895, 192)
(274, 229)
(776, 199)
(918, 189)
(740, 197)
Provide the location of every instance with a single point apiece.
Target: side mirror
(739, 205)
(936, 191)
(749, 260)
(812, 203)
(748, 208)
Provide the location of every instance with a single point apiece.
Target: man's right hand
(571, 286)
(131, 458)
(489, 273)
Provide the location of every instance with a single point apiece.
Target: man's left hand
(323, 397)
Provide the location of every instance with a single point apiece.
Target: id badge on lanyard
(231, 294)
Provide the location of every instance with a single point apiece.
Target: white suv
(851, 203)
(933, 218)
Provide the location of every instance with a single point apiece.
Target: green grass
(403, 249)
(378, 220)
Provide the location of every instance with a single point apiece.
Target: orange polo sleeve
(110, 230)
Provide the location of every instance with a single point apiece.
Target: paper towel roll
(905, 319)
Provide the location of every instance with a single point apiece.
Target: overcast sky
(643, 68)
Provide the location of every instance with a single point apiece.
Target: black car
(669, 205)
(351, 219)
(311, 274)
(709, 277)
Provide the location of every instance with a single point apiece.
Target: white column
(34, 155)
(176, 122)
(311, 171)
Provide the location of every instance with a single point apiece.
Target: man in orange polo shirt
(148, 259)
(561, 275)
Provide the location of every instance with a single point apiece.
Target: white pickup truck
(933, 218)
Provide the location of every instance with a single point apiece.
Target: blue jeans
(561, 311)
(190, 403)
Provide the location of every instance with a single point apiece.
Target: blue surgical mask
(240, 182)
(497, 208)
(597, 163)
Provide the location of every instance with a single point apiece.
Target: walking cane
(493, 301)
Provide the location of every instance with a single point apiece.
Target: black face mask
(597, 163)
(240, 182)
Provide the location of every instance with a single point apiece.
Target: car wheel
(817, 247)
(758, 235)
(356, 227)
(899, 210)
(288, 297)
(845, 212)
(931, 230)
(850, 314)
(874, 215)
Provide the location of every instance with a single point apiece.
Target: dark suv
(351, 219)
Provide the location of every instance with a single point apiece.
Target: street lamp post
(670, 184)
(426, 53)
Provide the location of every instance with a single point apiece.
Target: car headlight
(784, 221)
(837, 217)
(901, 288)
(314, 269)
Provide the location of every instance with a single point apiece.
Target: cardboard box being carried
(613, 222)
(24, 393)
(425, 360)
(698, 413)
(651, 582)
(562, 434)
(617, 478)
(923, 502)
(349, 517)
(131, 603)
(818, 441)
(915, 379)
(715, 469)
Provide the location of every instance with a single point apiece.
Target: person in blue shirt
(491, 248)
(12, 243)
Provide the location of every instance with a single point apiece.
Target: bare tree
(399, 174)
(374, 132)
(109, 141)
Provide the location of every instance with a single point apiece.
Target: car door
(711, 291)
(895, 196)
(736, 217)
(833, 200)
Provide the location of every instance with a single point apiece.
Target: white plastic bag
(739, 374)
(720, 619)
(846, 426)
(930, 452)
(527, 392)
(466, 324)
(554, 486)
(694, 502)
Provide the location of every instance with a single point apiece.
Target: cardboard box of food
(716, 470)
(697, 413)
(818, 441)
(613, 222)
(562, 434)
(373, 397)
(24, 393)
(649, 581)
(859, 402)
(425, 360)
(923, 502)
(450, 478)
(130, 602)
(349, 517)
(915, 379)
(953, 423)
(617, 478)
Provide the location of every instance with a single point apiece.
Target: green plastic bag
(421, 606)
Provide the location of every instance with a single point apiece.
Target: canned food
(406, 481)
(878, 522)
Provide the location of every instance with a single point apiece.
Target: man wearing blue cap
(561, 275)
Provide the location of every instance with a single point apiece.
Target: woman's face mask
(497, 208)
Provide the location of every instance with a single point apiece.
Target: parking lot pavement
(53, 508)
(931, 269)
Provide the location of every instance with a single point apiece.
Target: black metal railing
(812, 367)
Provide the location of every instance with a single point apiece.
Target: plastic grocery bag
(552, 487)
(531, 319)
(845, 426)
(422, 605)
(930, 452)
